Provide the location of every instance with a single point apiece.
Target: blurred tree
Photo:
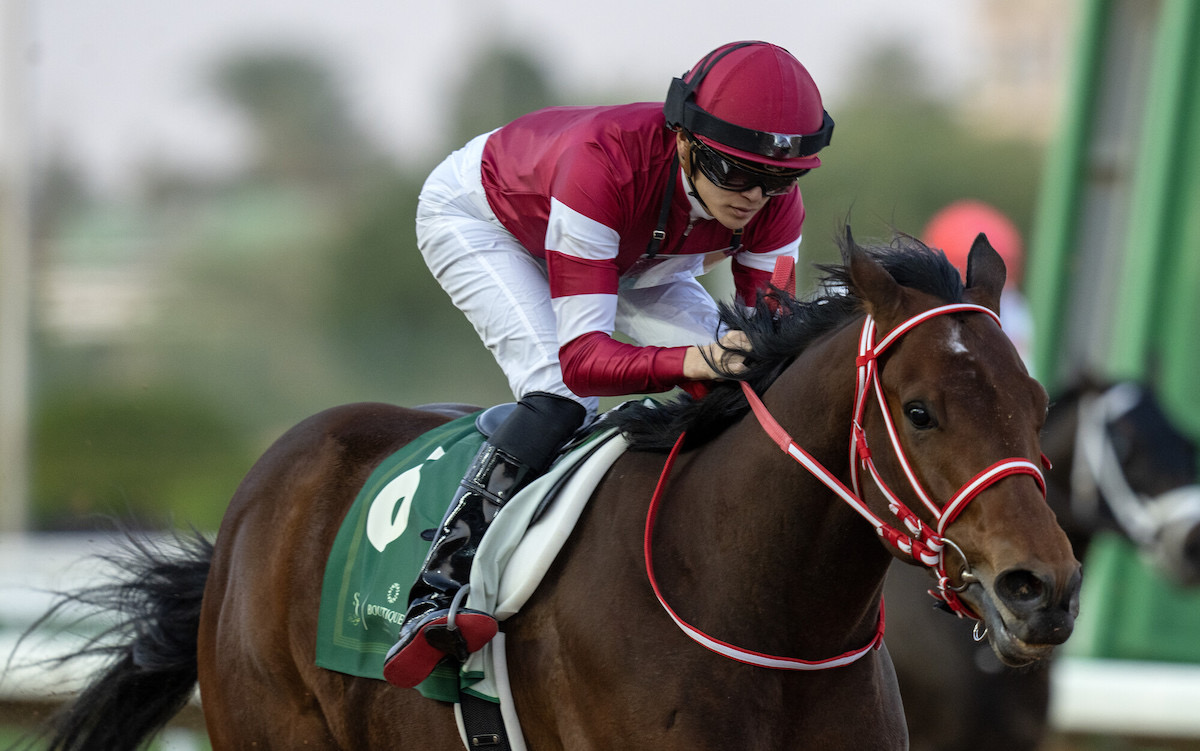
(297, 113)
(899, 153)
(157, 457)
(60, 190)
(390, 319)
(389, 316)
(503, 83)
(167, 418)
(891, 76)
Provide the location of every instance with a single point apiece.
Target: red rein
(924, 544)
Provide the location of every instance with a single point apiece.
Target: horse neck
(748, 525)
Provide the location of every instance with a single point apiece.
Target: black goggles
(737, 176)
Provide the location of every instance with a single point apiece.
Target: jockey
(569, 224)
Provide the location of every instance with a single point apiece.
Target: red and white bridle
(925, 544)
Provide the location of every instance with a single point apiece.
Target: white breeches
(505, 294)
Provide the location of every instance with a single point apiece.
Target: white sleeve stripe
(577, 315)
(573, 234)
(766, 261)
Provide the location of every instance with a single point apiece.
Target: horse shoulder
(569, 644)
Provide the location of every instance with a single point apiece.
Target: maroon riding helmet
(755, 102)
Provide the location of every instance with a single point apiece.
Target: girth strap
(483, 723)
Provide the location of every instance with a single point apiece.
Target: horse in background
(1119, 465)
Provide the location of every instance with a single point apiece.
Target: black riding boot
(520, 450)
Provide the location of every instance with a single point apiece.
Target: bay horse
(780, 557)
(1120, 465)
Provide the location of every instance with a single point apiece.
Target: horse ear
(869, 281)
(985, 274)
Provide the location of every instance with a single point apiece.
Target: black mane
(777, 338)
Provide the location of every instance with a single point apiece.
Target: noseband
(924, 544)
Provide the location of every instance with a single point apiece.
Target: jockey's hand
(696, 367)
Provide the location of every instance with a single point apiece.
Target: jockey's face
(731, 207)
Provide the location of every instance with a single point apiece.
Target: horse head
(1126, 468)
(953, 436)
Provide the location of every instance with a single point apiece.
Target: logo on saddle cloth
(379, 549)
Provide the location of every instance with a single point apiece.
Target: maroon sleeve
(595, 364)
(749, 282)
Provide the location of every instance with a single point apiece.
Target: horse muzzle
(1026, 614)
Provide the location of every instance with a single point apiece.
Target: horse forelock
(780, 327)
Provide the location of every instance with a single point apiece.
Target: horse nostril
(1020, 587)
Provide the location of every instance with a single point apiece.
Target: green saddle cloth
(378, 551)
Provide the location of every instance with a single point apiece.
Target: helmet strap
(664, 213)
(690, 173)
(735, 243)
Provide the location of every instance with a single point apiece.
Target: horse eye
(919, 416)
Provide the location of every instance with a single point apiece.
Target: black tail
(151, 646)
